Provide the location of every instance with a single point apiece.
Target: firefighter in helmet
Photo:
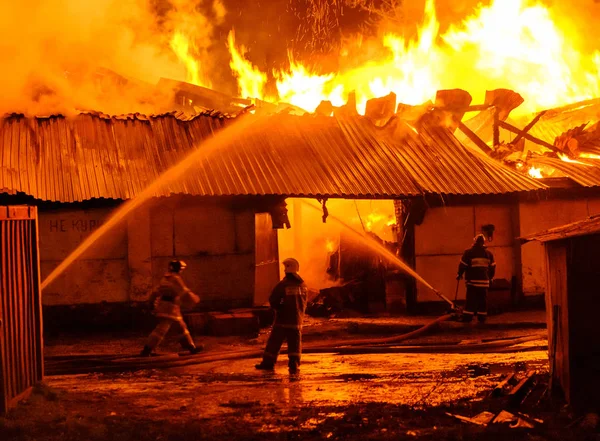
(479, 267)
(288, 299)
(166, 299)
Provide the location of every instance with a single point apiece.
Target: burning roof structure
(97, 156)
(555, 143)
(416, 135)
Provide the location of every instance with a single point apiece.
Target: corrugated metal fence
(21, 343)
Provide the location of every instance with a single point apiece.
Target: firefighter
(288, 299)
(478, 265)
(166, 299)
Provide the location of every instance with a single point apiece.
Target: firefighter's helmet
(176, 266)
(479, 239)
(291, 265)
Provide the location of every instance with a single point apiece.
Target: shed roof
(591, 225)
(585, 171)
(96, 156)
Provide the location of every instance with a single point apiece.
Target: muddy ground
(350, 397)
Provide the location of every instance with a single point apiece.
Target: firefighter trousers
(279, 334)
(476, 303)
(163, 327)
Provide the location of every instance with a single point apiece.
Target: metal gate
(21, 343)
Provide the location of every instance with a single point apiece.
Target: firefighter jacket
(288, 299)
(169, 295)
(478, 265)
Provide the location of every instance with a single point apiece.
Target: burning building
(451, 175)
(220, 215)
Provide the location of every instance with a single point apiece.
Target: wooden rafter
(527, 136)
(528, 127)
(476, 139)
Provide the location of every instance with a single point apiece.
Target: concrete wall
(101, 274)
(444, 235)
(216, 242)
(538, 216)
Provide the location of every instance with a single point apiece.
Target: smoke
(60, 56)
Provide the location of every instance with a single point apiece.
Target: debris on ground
(503, 417)
(482, 419)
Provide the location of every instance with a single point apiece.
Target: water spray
(380, 249)
(221, 138)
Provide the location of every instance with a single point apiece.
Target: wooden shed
(573, 309)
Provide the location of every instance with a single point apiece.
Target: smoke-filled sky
(50, 50)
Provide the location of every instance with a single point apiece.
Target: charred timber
(527, 136)
(476, 139)
(528, 127)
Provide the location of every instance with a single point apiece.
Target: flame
(522, 48)
(565, 158)
(329, 245)
(372, 220)
(535, 172)
(251, 81)
(301, 88)
(507, 44)
(589, 156)
(409, 68)
(183, 47)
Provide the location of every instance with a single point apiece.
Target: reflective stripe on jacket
(478, 265)
(169, 295)
(288, 299)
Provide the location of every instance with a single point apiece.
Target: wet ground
(368, 396)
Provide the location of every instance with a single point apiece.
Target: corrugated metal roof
(591, 225)
(96, 156)
(557, 121)
(585, 173)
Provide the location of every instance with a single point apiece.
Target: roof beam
(476, 139)
(527, 136)
(528, 127)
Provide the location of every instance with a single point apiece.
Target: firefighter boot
(187, 344)
(262, 366)
(294, 365)
(195, 349)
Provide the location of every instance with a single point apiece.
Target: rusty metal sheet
(584, 227)
(586, 173)
(21, 342)
(95, 156)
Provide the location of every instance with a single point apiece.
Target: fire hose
(75, 364)
(106, 363)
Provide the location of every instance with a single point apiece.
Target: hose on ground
(64, 365)
(395, 339)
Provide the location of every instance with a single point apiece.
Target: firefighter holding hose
(288, 299)
(166, 299)
(479, 267)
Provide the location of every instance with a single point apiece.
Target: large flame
(522, 48)
(183, 47)
(508, 44)
(251, 80)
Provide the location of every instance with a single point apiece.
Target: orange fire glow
(535, 172)
(183, 46)
(507, 44)
(330, 245)
(251, 81)
(565, 158)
